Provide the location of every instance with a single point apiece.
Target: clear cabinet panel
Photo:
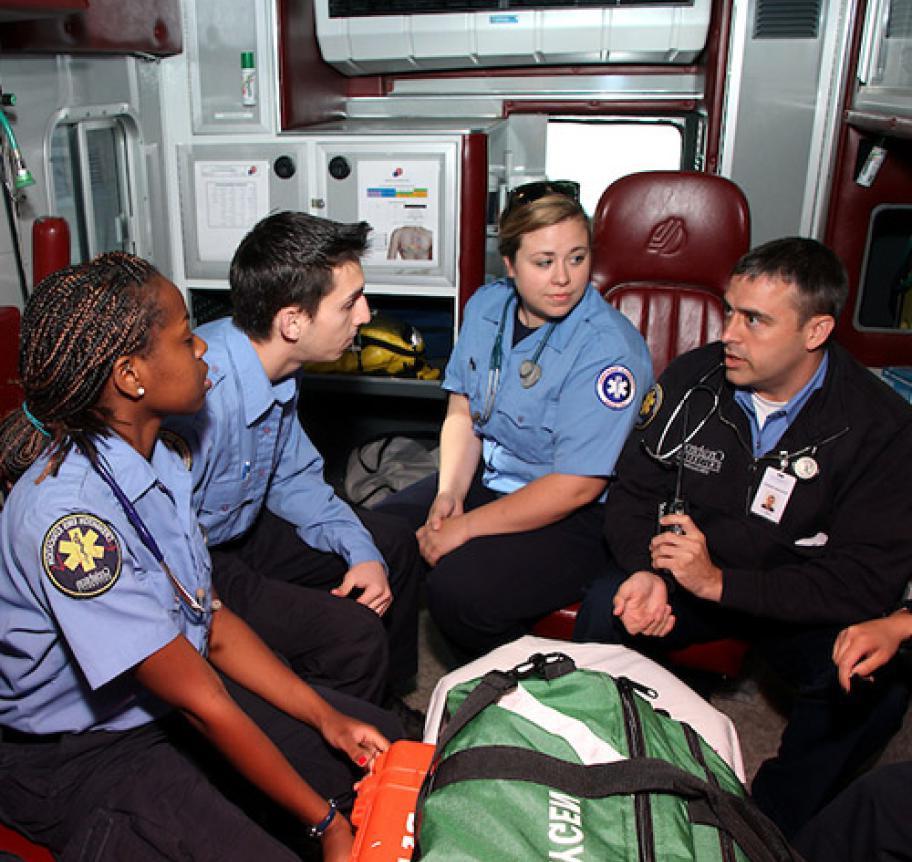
(230, 66)
(885, 64)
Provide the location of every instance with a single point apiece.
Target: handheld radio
(677, 505)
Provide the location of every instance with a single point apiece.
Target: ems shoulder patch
(177, 444)
(615, 387)
(81, 555)
(649, 408)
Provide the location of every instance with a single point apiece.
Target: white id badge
(773, 495)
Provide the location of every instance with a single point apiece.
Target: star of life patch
(650, 406)
(177, 444)
(81, 555)
(615, 387)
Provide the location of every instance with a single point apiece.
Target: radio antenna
(679, 480)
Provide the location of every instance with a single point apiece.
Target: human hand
(444, 506)
(641, 603)
(370, 577)
(863, 648)
(437, 542)
(361, 741)
(686, 556)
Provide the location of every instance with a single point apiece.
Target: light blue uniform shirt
(248, 450)
(82, 600)
(595, 370)
(777, 423)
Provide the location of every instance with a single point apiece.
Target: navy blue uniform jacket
(842, 551)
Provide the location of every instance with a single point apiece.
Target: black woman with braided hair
(140, 718)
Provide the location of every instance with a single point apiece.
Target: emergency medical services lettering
(93, 581)
(703, 460)
(81, 555)
(565, 823)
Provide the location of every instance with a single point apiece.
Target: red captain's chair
(663, 245)
(21, 848)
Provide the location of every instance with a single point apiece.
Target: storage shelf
(358, 384)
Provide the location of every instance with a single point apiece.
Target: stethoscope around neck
(801, 461)
(530, 371)
(198, 604)
(666, 456)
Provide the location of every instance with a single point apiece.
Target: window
(597, 152)
(92, 183)
(885, 294)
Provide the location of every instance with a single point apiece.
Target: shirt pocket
(528, 427)
(229, 501)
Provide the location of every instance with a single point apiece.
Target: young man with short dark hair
(275, 527)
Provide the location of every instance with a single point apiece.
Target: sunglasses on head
(529, 192)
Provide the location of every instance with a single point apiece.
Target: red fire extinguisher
(50, 246)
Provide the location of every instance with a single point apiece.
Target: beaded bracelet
(318, 830)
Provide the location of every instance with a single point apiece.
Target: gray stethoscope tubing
(666, 457)
(529, 371)
(194, 603)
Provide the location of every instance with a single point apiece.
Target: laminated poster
(400, 201)
(231, 197)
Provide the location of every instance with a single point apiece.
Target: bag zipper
(726, 845)
(636, 746)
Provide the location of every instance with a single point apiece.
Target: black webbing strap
(496, 683)
(399, 350)
(751, 830)
(491, 687)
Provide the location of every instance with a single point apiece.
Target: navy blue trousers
(868, 822)
(492, 589)
(161, 792)
(280, 585)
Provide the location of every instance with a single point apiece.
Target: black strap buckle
(547, 666)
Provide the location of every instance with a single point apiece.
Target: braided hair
(75, 325)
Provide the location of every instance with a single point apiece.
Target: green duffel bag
(547, 762)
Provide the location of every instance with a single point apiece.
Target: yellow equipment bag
(384, 346)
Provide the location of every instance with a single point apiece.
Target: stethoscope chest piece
(530, 373)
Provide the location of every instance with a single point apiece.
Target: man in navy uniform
(311, 577)
(795, 464)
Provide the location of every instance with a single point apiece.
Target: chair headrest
(674, 227)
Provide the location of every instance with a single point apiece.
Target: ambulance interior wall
(49, 88)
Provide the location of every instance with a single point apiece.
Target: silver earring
(140, 391)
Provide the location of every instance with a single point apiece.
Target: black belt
(18, 737)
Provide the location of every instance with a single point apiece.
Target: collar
(566, 327)
(260, 393)
(134, 474)
(793, 406)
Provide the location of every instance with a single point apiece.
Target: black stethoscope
(202, 603)
(530, 371)
(802, 461)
